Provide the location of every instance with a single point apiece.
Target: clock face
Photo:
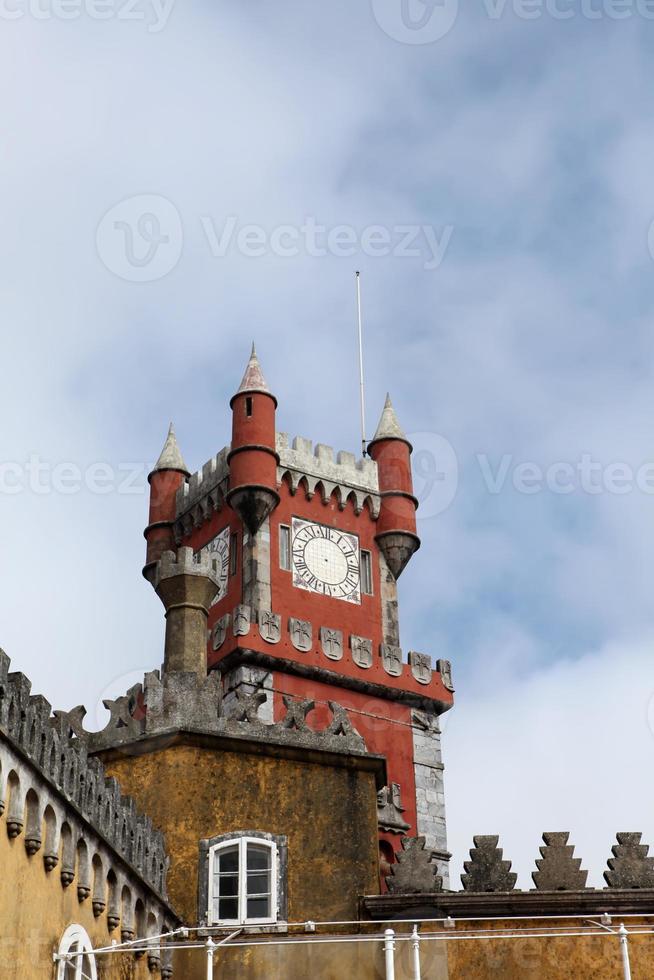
(325, 560)
(218, 551)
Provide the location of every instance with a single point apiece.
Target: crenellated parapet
(52, 755)
(202, 494)
(181, 701)
(630, 868)
(57, 802)
(321, 470)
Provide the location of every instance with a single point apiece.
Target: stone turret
(187, 587)
(253, 456)
(396, 526)
(168, 475)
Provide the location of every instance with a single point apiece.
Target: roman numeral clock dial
(218, 551)
(325, 560)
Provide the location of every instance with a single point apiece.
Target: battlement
(42, 757)
(339, 472)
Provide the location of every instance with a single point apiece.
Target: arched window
(244, 879)
(75, 956)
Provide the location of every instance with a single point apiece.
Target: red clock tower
(309, 546)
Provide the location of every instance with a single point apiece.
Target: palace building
(271, 801)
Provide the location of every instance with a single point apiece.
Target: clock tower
(308, 546)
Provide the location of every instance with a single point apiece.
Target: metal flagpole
(361, 382)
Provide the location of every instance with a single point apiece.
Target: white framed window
(366, 573)
(243, 881)
(75, 956)
(284, 547)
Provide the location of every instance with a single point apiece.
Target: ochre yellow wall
(590, 958)
(328, 814)
(548, 958)
(35, 911)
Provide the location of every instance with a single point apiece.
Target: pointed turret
(389, 427)
(253, 379)
(166, 478)
(253, 457)
(396, 525)
(171, 457)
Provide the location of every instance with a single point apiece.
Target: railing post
(624, 949)
(389, 953)
(415, 942)
(210, 948)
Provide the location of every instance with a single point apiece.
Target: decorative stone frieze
(486, 871)
(630, 866)
(444, 668)
(301, 634)
(415, 871)
(219, 632)
(390, 810)
(270, 626)
(558, 870)
(331, 643)
(420, 664)
(242, 620)
(361, 651)
(391, 659)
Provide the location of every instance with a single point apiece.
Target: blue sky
(524, 146)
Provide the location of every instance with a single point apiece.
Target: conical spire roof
(171, 457)
(253, 379)
(389, 427)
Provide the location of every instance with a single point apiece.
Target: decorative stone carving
(331, 642)
(301, 634)
(361, 651)
(83, 892)
(444, 668)
(242, 620)
(121, 710)
(630, 866)
(341, 724)
(32, 845)
(296, 714)
(420, 667)
(246, 707)
(270, 626)
(219, 632)
(390, 810)
(414, 873)
(391, 659)
(98, 906)
(558, 870)
(486, 871)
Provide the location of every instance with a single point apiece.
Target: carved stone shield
(242, 620)
(331, 642)
(444, 667)
(361, 651)
(270, 626)
(420, 667)
(301, 634)
(391, 659)
(219, 632)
